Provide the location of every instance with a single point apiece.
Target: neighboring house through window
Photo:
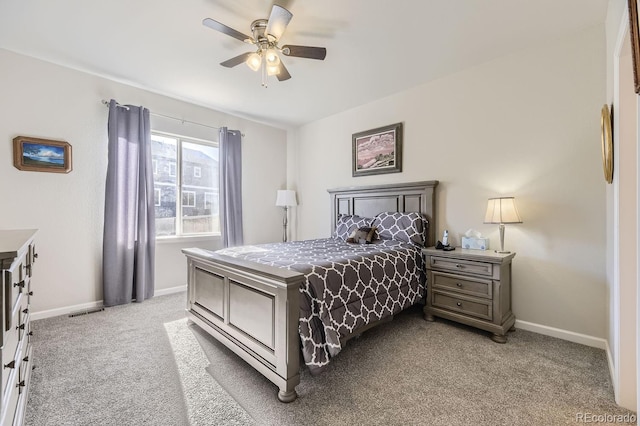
(186, 185)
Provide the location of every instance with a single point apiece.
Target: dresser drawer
(462, 266)
(462, 284)
(466, 305)
(10, 400)
(25, 368)
(17, 281)
(10, 366)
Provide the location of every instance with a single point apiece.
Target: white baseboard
(612, 371)
(94, 305)
(571, 336)
(165, 291)
(66, 310)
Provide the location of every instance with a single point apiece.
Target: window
(188, 198)
(209, 201)
(186, 185)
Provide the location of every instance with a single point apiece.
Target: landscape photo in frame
(41, 155)
(377, 151)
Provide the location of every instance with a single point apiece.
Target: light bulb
(272, 58)
(273, 69)
(253, 61)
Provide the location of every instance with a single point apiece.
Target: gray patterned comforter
(346, 286)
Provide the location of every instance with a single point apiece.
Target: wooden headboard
(368, 201)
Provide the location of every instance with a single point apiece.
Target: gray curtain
(129, 215)
(231, 187)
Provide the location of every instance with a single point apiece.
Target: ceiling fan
(266, 35)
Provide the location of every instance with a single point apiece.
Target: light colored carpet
(127, 365)
(207, 402)
(144, 364)
(413, 372)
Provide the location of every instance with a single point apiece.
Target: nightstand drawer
(462, 266)
(476, 307)
(461, 284)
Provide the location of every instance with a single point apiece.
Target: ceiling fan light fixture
(253, 61)
(266, 34)
(272, 58)
(273, 69)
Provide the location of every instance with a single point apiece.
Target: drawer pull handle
(459, 266)
(30, 293)
(21, 384)
(20, 284)
(458, 303)
(459, 285)
(35, 255)
(12, 364)
(25, 311)
(20, 327)
(25, 359)
(30, 333)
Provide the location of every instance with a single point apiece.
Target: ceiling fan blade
(283, 73)
(278, 21)
(305, 51)
(230, 63)
(208, 22)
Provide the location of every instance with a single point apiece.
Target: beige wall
(40, 99)
(525, 125)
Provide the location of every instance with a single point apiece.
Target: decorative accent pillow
(347, 223)
(362, 235)
(408, 227)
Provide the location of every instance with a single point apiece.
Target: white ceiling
(374, 48)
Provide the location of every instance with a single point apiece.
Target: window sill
(188, 239)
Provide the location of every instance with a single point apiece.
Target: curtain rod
(169, 117)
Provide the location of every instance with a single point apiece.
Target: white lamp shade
(502, 210)
(286, 198)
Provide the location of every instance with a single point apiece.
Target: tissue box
(475, 243)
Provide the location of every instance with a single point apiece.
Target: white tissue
(472, 233)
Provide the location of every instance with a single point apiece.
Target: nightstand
(471, 287)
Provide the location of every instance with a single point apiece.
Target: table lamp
(285, 198)
(502, 210)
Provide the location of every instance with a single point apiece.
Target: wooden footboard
(252, 309)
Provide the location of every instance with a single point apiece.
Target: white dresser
(17, 256)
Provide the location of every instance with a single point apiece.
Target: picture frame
(41, 155)
(634, 28)
(377, 151)
(606, 137)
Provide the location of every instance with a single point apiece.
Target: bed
(272, 302)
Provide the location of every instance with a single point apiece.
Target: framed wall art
(607, 143)
(41, 155)
(634, 27)
(377, 151)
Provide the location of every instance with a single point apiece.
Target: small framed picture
(41, 155)
(377, 151)
(634, 27)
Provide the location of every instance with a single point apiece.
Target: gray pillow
(347, 223)
(408, 227)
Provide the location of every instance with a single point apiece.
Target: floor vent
(86, 312)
